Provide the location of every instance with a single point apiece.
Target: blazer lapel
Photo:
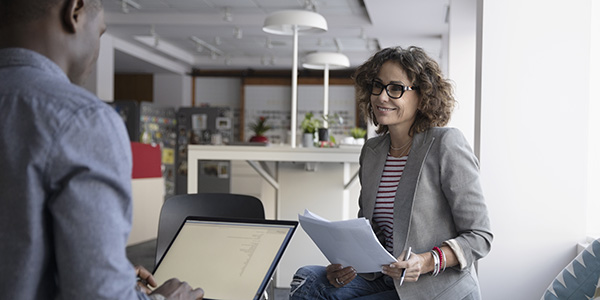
(406, 190)
(373, 163)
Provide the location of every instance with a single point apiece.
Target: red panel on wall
(146, 161)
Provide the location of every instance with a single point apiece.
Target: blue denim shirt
(65, 187)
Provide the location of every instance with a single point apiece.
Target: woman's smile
(385, 109)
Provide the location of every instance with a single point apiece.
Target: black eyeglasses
(395, 91)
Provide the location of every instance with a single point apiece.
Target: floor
(143, 254)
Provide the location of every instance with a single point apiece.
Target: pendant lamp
(326, 61)
(294, 23)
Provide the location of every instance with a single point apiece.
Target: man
(65, 192)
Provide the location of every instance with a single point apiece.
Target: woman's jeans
(311, 283)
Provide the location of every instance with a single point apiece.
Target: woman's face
(397, 114)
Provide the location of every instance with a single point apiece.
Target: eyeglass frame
(385, 87)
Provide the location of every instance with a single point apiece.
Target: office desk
(323, 180)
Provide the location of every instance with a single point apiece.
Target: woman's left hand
(413, 267)
(145, 279)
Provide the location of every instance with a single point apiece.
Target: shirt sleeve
(460, 255)
(90, 206)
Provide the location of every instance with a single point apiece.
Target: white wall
(593, 221)
(535, 92)
(172, 90)
(462, 30)
(218, 91)
(101, 80)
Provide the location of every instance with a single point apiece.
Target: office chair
(178, 207)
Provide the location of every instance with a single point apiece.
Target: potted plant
(259, 128)
(358, 134)
(329, 120)
(309, 126)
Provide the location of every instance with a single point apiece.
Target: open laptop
(228, 258)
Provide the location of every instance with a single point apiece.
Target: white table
(322, 180)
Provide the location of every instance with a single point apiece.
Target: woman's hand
(146, 280)
(414, 266)
(339, 276)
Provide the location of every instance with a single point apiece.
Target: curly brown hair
(435, 92)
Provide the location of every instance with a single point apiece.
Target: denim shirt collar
(13, 57)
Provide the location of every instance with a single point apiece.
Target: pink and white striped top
(383, 215)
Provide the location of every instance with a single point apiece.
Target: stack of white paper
(349, 242)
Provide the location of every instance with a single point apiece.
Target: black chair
(178, 207)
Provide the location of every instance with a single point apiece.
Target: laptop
(230, 259)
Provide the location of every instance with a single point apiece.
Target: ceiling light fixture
(126, 3)
(200, 42)
(294, 22)
(338, 44)
(363, 33)
(166, 48)
(310, 5)
(326, 61)
(154, 36)
(227, 16)
(237, 32)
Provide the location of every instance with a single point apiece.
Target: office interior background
(526, 75)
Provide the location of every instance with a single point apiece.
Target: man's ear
(71, 15)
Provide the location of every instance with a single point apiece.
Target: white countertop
(345, 154)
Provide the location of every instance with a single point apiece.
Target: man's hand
(145, 279)
(174, 289)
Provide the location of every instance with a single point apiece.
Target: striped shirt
(383, 215)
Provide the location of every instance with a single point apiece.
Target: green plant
(310, 124)
(358, 132)
(260, 127)
(333, 119)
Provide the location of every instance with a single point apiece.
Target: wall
(172, 90)
(593, 222)
(271, 99)
(462, 29)
(218, 91)
(100, 81)
(137, 87)
(534, 99)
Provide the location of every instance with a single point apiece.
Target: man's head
(66, 31)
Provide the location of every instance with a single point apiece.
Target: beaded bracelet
(441, 256)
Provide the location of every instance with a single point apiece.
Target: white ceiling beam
(150, 57)
(209, 19)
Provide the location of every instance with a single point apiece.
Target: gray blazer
(439, 198)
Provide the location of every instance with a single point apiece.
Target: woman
(420, 189)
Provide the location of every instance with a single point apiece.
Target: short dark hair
(14, 12)
(436, 93)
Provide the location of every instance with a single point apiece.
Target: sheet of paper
(349, 242)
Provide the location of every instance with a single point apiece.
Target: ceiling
(233, 29)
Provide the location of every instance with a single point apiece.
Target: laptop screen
(227, 258)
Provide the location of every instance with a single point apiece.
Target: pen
(406, 257)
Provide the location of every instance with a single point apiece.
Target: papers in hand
(349, 242)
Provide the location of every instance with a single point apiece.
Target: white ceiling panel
(358, 26)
